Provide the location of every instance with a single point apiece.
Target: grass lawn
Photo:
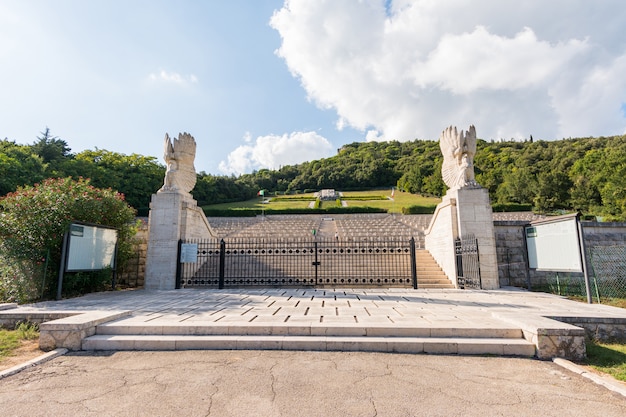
(615, 302)
(257, 203)
(9, 341)
(401, 199)
(18, 345)
(609, 358)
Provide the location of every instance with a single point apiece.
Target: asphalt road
(279, 383)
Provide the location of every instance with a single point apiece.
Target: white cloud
(172, 78)
(496, 62)
(273, 151)
(410, 70)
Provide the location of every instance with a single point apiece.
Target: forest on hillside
(584, 174)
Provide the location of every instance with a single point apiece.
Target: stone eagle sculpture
(458, 149)
(179, 155)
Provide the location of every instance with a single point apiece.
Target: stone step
(436, 277)
(434, 345)
(434, 284)
(428, 267)
(130, 327)
(438, 274)
(433, 280)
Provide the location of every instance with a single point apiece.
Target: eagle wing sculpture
(179, 155)
(458, 149)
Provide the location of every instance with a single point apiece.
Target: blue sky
(264, 83)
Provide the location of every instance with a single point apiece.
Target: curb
(606, 381)
(33, 362)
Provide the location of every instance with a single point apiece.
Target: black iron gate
(467, 262)
(296, 262)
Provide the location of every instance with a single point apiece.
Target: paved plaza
(301, 305)
(502, 322)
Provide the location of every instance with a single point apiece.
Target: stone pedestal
(461, 212)
(474, 216)
(167, 225)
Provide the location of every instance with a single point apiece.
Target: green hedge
(143, 211)
(419, 210)
(299, 198)
(256, 212)
(365, 197)
(510, 207)
(230, 213)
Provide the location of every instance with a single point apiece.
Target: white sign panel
(189, 253)
(91, 248)
(554, 246)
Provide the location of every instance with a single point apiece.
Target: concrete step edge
(356, 330)
(513, 347)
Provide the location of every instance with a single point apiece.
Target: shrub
(231, 213)
(365, 197)
(85, 282)
(27, 330)
(297, 198)
(20, 280)
(419, 210)
(511, 207)
(34, 219)
(258, 212)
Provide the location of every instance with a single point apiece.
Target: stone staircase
(429, 274)
(503, 322)
(127, 334)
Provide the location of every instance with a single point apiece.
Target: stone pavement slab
(457, 310)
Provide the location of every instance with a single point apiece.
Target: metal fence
(609, 266)
(296, 262)
(607, 275)
(467, 262)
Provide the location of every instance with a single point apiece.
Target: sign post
(556, 244)
(87, 247)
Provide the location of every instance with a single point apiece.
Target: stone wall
(510, 248)
(196, 225)
(134, 272)
(439, 236)
(512, 255)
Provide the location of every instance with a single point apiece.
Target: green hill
(585, 174)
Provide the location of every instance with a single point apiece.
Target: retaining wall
(512, 254)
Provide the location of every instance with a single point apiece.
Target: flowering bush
(34, 219)
(19, 280)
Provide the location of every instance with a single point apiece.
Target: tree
(18, 166)
(33, 220)
(552, 192)
(135, 176)
(50, 148)
(519, 186)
